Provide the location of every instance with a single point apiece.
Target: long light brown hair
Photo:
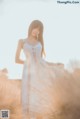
(38, 24)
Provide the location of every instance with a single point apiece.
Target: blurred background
(61, 31)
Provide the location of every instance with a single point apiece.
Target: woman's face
(35, 31)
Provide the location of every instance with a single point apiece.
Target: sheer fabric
(37, 82)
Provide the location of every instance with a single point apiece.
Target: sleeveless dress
(37, 82)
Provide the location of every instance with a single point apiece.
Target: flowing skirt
(37, 88)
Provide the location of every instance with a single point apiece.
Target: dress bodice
(32, 51)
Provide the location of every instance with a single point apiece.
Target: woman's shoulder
(21, 42)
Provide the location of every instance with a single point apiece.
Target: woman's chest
(32, 49)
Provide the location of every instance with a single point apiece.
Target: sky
(61, 31)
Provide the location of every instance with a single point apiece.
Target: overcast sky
(61, 30)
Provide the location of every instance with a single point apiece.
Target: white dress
(37, 82)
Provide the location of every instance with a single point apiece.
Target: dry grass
(10, 96)
(67, 98)
(66, 95)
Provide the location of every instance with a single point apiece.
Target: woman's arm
(18, 51)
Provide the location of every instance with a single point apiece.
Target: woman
(38, 74)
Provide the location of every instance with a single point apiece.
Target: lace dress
(37, 82)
